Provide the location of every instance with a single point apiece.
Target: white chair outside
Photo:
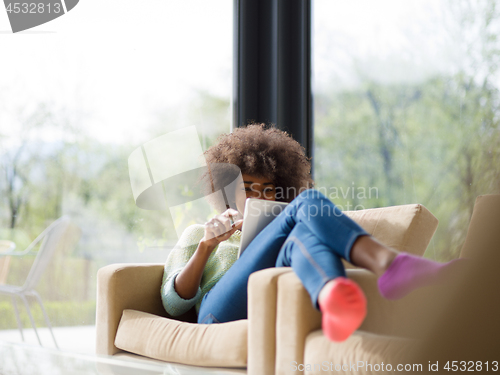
(5, 247)
(51, 239)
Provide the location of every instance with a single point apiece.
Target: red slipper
(343, 309)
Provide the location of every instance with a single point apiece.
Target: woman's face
(255, 187)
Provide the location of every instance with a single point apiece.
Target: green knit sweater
(221, 259)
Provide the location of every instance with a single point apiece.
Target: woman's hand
(217, 230)
(220, 228)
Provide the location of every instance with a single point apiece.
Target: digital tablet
(258, 214)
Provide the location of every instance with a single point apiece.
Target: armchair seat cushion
(213, 345)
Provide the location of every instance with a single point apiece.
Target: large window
(407, 107)
(406, 110)
(77, 96)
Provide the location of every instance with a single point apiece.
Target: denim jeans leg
(326, 221)
(227, 300)
(333, 231)
(312, 261)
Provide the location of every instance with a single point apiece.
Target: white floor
(80, 339)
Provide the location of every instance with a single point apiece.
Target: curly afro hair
(263, 151)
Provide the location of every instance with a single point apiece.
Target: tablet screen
(258, 214)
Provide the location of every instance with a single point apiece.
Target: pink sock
(408, 272)
(343, 309)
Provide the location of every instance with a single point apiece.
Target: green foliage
(66, 277)
(60, 313)
(434, 143)
(89, 180)
(429, 138)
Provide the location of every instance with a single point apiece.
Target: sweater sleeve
(174, 304)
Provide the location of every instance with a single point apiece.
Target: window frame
(272, 66)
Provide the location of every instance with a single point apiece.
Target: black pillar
(272, 66)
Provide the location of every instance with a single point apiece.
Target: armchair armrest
(295, 319)
(262, 293)
(120, 287)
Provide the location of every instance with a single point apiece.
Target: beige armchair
(467, 329)
(431, 323)
(386, 336)
(131, 321)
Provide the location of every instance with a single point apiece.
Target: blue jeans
(311, 235)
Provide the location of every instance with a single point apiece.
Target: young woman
(208, 274)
